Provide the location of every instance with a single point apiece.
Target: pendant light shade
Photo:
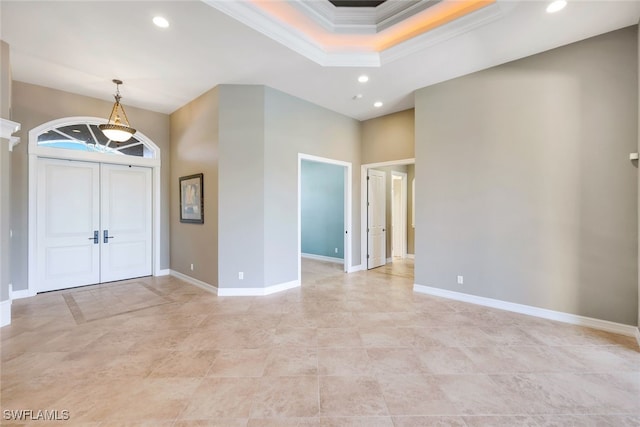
(118, 128)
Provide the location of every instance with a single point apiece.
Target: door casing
(363, 204)
(347, 209)
(35, 151)
(399, 215)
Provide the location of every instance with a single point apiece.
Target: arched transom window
(87, 137)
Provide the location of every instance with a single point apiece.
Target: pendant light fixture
(115, 129)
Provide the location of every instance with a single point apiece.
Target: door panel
(376, 219)
(126, 217)
(68, 215)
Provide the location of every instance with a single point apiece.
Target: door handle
(95, 238)
(106, 236)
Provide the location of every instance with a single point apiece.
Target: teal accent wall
(322, 209)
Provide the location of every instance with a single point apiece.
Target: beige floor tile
(357, 422)
(286, 397)
(341, 350)
(445, 360)
(284, 422)
(339, 337)
(183, 364)
(415, 395)
(296, 337)
(428, 421)
(219, 422)
(395, 361)
(502, 421)
(344, 362)
(473, 394)
(351, 396)
(239, 363)
(285, 361)
(221, 398)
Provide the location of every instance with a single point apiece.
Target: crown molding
(365, 21)
(255, 18)
(7, 129)
(441, 34)
(392, 12)
(360, 20)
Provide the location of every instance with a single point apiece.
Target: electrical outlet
(460, 280)
(191, 267)
(336, 250)
(240, 275)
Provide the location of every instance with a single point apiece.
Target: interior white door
(376, 218)
(68, 224)
(126, 222)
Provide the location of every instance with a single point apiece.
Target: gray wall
(295, 126)
(5, 81)
(389, 137)
(523, 183)
(322, 209)
(34, 105)
(241, 186)
(194, 149)
(5, 174)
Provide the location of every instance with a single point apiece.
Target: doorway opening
(388, 228)
(324, 211)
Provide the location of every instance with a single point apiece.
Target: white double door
(94, 223)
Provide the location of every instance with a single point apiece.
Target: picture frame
(192, 199)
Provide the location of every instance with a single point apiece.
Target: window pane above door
(87, 137)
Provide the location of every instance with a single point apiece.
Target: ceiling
(80, 46)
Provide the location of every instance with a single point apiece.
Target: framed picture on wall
(192, 199)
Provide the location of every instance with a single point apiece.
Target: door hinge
(367, 177)
(367, 256)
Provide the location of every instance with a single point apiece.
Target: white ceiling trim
(261, 21)
(360, 20)
(462, 25)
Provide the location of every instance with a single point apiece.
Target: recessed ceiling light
(363, 78)
(160, 22)
(556, 6)
(377, 104)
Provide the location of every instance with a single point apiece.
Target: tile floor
(343, 350)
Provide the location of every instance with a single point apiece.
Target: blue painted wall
(322, 209)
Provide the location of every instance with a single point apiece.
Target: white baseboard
(323, 258)
(5, 313)
(165, 272)
(252, 292)
(638, 335)
(411, 256)
(544, 313)
(23, 293)
(195, 282)
(389, 260)
(355, 268)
